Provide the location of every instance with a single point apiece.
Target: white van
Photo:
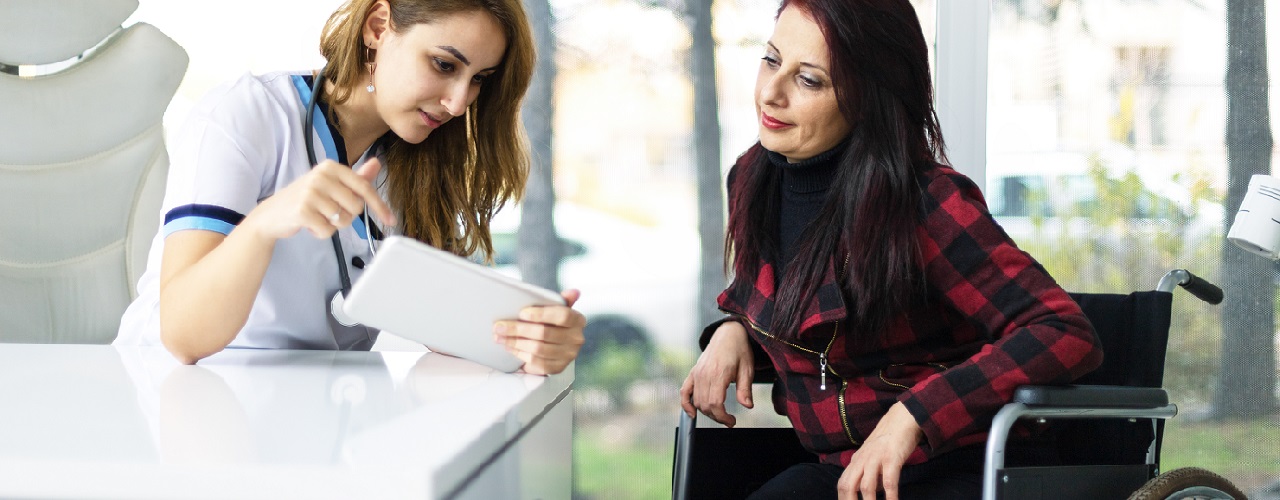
(1043, 197)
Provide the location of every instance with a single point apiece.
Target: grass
(1246, 452)
(624, 471)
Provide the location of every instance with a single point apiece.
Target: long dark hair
(880, 71)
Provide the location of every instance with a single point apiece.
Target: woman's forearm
(206, 296)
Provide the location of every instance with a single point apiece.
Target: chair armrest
(1071, 401)
(682, 463)
(1092, 396)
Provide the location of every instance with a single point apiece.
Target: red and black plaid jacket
(993, 320)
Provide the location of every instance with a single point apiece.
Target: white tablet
(441, 300)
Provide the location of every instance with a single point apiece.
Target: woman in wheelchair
(869, 274)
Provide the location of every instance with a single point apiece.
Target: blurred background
(1117, 146)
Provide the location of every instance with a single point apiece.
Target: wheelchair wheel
(1188, 483)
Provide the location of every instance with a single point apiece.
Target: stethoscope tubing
(308, 123)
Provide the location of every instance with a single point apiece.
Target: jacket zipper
(767, 334)
(886, 381)
(822, 360)
(844, 387)
(823, 367)
(822, 356)
(844, 414)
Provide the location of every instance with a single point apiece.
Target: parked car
(1044, 197)
(638, 282)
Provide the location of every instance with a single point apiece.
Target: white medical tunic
(240, 145)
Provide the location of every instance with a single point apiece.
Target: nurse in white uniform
(421, 99)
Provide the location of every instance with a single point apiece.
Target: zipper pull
(822, 366)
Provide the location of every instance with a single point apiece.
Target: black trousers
(950, 476)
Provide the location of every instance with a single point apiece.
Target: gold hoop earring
(372, 66)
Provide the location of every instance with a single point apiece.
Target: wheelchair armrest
(683, 456)
(1091, 396)
(1071, 401)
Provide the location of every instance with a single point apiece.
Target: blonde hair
(448, 187)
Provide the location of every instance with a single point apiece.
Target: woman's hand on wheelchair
(726, 360)
(877, 465)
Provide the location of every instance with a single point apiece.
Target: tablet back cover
(443, 301)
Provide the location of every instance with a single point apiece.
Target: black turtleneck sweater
(804, 189)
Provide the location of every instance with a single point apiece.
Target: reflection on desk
(106, 421)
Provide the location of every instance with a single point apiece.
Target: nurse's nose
(457, 98)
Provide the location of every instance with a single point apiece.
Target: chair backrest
(1134, 331)
(82, 164)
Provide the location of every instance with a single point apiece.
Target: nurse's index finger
(364, 189)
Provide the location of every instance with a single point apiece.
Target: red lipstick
(772, 123)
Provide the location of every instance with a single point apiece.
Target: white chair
(82, 163)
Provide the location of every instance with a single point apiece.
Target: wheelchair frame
(1041, 402)
(1084, 401)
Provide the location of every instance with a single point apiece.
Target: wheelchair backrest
(1134, 332)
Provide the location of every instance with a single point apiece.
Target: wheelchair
(1103, 441)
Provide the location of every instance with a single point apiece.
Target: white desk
(80, 421)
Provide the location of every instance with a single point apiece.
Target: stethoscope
(335, 304)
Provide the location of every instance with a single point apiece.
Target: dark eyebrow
(456, 53)
(815, 66)
(811, 65)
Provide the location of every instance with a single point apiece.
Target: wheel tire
(1188, 483)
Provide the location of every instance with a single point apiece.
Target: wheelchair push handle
(1204, 290)
(1195, 285)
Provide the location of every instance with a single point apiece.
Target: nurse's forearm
(206, 302)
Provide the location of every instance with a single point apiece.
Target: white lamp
(1257, 224)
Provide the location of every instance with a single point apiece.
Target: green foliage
(612, 368)
(1124, 237)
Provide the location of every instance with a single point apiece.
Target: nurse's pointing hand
(546, 338)
(324, 200)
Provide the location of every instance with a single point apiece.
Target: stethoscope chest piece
(339, 315)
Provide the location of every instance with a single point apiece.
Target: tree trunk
(1246, 382)
(539, 252)
(706, 144)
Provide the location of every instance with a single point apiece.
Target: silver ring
(333, 219)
